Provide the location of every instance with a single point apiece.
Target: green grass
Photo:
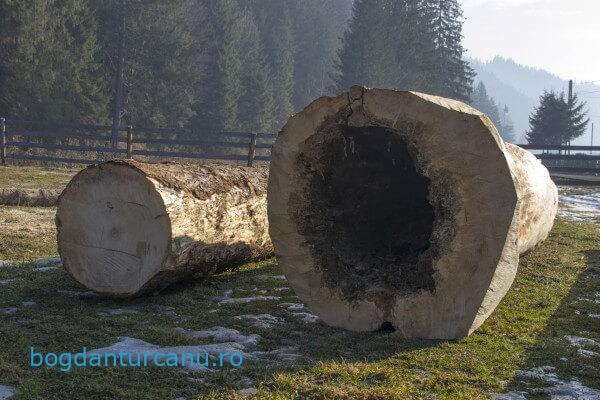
(526, 330)
(32, 177)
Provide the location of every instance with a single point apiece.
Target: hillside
(519, 87)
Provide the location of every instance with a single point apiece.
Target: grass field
(33, 177)
(555, 296)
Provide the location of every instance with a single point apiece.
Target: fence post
(252, 149)
(3, 140)
(129, 141)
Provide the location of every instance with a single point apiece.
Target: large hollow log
(125, 227)
(403, 208)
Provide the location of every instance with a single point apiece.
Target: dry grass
(32, 177)
(27, 233)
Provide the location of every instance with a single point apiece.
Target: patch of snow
(594, 315)
(28, 303)
(587, 353)
(159, 353)
(292, 306)
(581, 341)
(226, 295)
(7, 263)
(45, 261)
(247, 392)
(572, 390)
(221, 334)
(558, 389)
(77, 293)
(6, 392)
(162, 309)
(282, 289)
(286, 354)
(44, 269)
(509, 396)
(107, 312)
(276, 277)
(307, 318)
(8, 310)
(543, 373)
(244, 300)
(262, 321)
(7, 281)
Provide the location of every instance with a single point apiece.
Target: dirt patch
(364, 209)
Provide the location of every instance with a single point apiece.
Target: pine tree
(366, 56)
(218, 94)
(276, 34)
(256, 99)
(50, 64)
(448, 74)
(160, 71)
(487, 105)
(317, 26)
(556, 121)
(507, 128)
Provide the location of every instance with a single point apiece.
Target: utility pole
(570, 99)
(592, 139)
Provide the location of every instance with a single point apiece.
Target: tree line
(223, 65)
(219, 64)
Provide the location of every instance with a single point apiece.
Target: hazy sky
(561, 36)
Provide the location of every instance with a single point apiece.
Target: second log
(127, 227)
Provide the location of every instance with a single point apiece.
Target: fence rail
(29, 141)
(567, 158)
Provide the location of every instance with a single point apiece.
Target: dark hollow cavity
(363, 209)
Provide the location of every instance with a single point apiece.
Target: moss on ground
(551, 297)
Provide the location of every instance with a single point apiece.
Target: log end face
(402, 204)
(113, 232)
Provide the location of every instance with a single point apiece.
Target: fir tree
(317, 27)
(276, 34)
(218, 94)
(556, 121)
(256, 99)
(50, 64)
(158, 51)
(448, 74)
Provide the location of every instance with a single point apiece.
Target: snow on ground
(579, 203)
(6, 392)
(225, 341)
(262, 321)
(244, 300)
(221, 334)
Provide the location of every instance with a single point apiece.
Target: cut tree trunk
(403, 208)
(126, 227)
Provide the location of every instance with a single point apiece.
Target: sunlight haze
(559, 36)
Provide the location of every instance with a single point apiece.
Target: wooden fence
(567, 158)
(34, 141)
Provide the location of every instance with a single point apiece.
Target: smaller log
(29, 197)
(126, 227)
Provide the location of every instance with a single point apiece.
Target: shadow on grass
(552, 347)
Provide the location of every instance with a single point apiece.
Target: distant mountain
(519, 87)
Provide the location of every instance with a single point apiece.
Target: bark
(403, 208)
(127, 227)
(29, 197)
